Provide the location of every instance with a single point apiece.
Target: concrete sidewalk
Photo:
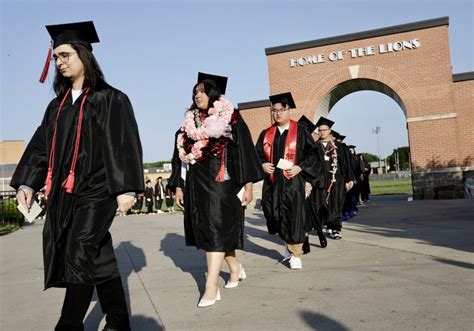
(400, 266)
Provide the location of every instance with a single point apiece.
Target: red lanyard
(68, 184)
(290, 145)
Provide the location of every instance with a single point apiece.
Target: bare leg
(234, 266)
(214, 265)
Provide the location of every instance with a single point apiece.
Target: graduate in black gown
(352, 196)
(88, 153)
(335, 180)
(214, 159)
(311, 204)
(287, 185)
(364, 185)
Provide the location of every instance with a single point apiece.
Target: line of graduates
(309, 178)
(87, 153)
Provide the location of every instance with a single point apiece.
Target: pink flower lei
(215, 125)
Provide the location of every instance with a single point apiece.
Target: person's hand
(179, 198)
(24, 197)
(268, 167)
(293, 171)
(248, 195)
(349, 185)
(124, 203)
(307, 189)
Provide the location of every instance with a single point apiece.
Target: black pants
(78, 298)
(149, 208)
(158, 203)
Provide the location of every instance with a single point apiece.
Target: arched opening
(368, 113)
(355, 85)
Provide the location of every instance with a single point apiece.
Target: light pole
(376, 130)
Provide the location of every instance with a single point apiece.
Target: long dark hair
(93, 75)
(211, 91)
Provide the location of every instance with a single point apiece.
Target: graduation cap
(351, 147)
(307, 123)
(73, 33)
(342, 137)
(285, 98)
(219, 81)
(83, 33)
(335, 134)
(324, 121)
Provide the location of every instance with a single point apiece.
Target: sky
(153, 50)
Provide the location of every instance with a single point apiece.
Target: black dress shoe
(322, 238)
(306, 247)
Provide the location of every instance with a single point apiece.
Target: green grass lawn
(8, 228)
(399, 186)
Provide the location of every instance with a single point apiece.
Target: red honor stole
(290, 146)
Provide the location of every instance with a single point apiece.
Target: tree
(369, 157)
(403, 154)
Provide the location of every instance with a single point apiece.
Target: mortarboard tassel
(44, 74)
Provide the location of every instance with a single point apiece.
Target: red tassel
(49, 179)
(221, 175)
(68, 184)
(44, 74)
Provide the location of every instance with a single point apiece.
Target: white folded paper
(284, 164)
(240, 195)
(35, 210)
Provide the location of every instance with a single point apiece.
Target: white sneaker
(295, 263)
(336, 235)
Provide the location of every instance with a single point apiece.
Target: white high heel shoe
(242, 276)
(206, 303)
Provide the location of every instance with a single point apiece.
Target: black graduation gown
(283, 202)
(364, 185)
(329, 213)
(213, 214)
(354, 166)
(77, 246)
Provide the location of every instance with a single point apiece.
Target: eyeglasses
(63, 56)
(281, 110)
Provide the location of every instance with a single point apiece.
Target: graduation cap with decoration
(307, 124)
(324, 121)
(284, 98)
(82, 33)
(219, 81)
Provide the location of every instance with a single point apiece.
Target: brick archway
(411, 64)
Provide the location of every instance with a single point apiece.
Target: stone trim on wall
(359, 35)
(431, 117)
(443, 170)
